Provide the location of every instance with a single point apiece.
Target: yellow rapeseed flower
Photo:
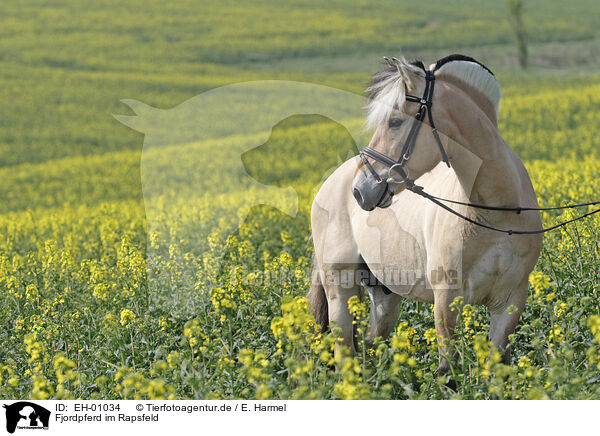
(127, 317)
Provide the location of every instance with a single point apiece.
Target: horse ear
(410, 75)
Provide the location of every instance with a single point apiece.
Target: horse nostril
(361, 201)
(358, 196)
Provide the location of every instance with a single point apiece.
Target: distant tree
(515, 18)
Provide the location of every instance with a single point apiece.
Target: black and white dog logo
(26, 415)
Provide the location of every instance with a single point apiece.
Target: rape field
(82, 318)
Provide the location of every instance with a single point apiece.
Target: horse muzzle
(371, 193)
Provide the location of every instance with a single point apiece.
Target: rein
(398, 165)
(438, 201)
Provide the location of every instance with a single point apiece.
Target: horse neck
(498, 182)
(492, 182)
(489, 175)
(458, 87)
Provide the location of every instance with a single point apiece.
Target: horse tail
(318, 301)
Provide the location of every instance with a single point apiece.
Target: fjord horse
(370, 231)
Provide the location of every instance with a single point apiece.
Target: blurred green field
(78, 314)
(65, 65)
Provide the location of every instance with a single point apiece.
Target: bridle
(409, 145)
(398, 166)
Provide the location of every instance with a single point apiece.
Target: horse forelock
(387, 89)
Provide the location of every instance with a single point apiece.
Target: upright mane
(473, 73)
(387, 89)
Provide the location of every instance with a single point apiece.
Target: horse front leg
(385, 308)
(338, 291)
(505, 317)
(445, 322)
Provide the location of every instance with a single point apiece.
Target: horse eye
(395, 122)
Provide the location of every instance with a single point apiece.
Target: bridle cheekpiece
(398, 166)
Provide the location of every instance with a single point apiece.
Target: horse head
(404, 101)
